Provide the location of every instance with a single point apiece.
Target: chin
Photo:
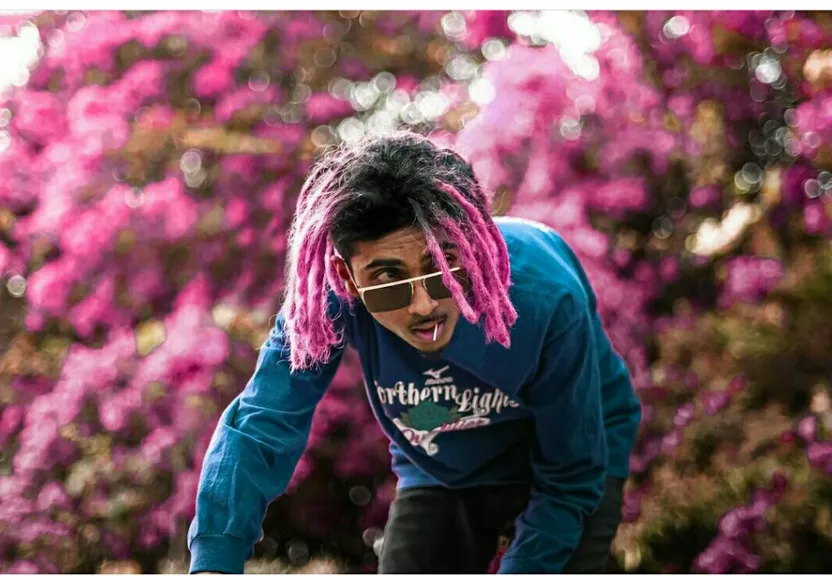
(426, 346)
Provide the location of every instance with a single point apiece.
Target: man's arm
(254, 451)
(569, 457)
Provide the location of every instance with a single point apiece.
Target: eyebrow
(397, 263)
(384, 262)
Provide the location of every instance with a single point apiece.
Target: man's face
(398, 256)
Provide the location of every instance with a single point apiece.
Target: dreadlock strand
(474, 214)
(491, 300)
(310, 332)
(321, 332)
(439, 259)
(450, 280)
(497, 244)
(488, 235)
(479, 292)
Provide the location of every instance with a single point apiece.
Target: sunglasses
(399, 294)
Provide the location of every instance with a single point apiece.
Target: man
(485, 363)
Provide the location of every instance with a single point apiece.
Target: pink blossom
(751, 278)
(91, 111)
(156, 444)
(236, 212)
(10, 420)
(142, 81)
(48, 288)
(820, 454)
(23, 567)
(213, 79)
(305, 27)
(155, 118)
(153, 27)
(815, 219)
(704, 196)
(233, 102)
(713, 402)
(97, 307)
(322, 107)
(52, 497)
(621, 194)
(807, 428)
(167, 203)
(242, 166)
(41, 116)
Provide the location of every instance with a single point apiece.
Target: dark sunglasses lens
(388, 298)
(437, 289)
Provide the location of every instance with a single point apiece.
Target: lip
(429, 325)
(425, 332)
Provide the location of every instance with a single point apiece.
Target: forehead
(407, 246)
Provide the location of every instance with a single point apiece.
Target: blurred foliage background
(149, 164)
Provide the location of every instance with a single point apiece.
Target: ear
(344, 274)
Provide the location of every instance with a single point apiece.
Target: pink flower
(229, 104)
(484, 24)
(48, 288)
(245, 167)
(154, 447)
(10, 420)
(167, 204)
(305, 27)
(149, 535)
(41, 116)
(751, 278)
(713, 402)
(96, 308)
(815, 219)
(142, 81)
(23, 567)
(52, 497)
(704, 196)
(146, 283)
(151, 28)
(236, 212)
(213, 79)
(323, 107)
(156, 117)
(183, 501)
(820, 454)
(807, 428)
(684, 415)
(622, 194)
(92, 111)
(115, 411)
(87, 233)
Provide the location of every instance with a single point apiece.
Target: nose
(421, 304)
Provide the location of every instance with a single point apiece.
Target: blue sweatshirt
(556, 410)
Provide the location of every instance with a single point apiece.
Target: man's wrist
(218, 553)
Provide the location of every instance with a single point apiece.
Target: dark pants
(438, 530)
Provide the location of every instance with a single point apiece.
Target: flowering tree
(149, 166)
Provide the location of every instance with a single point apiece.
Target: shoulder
(545, 273)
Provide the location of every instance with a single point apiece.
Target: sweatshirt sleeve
(569, 457)
(253, 453)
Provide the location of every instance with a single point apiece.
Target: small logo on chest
(435, 377)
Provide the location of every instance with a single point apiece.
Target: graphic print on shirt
(438, 406)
